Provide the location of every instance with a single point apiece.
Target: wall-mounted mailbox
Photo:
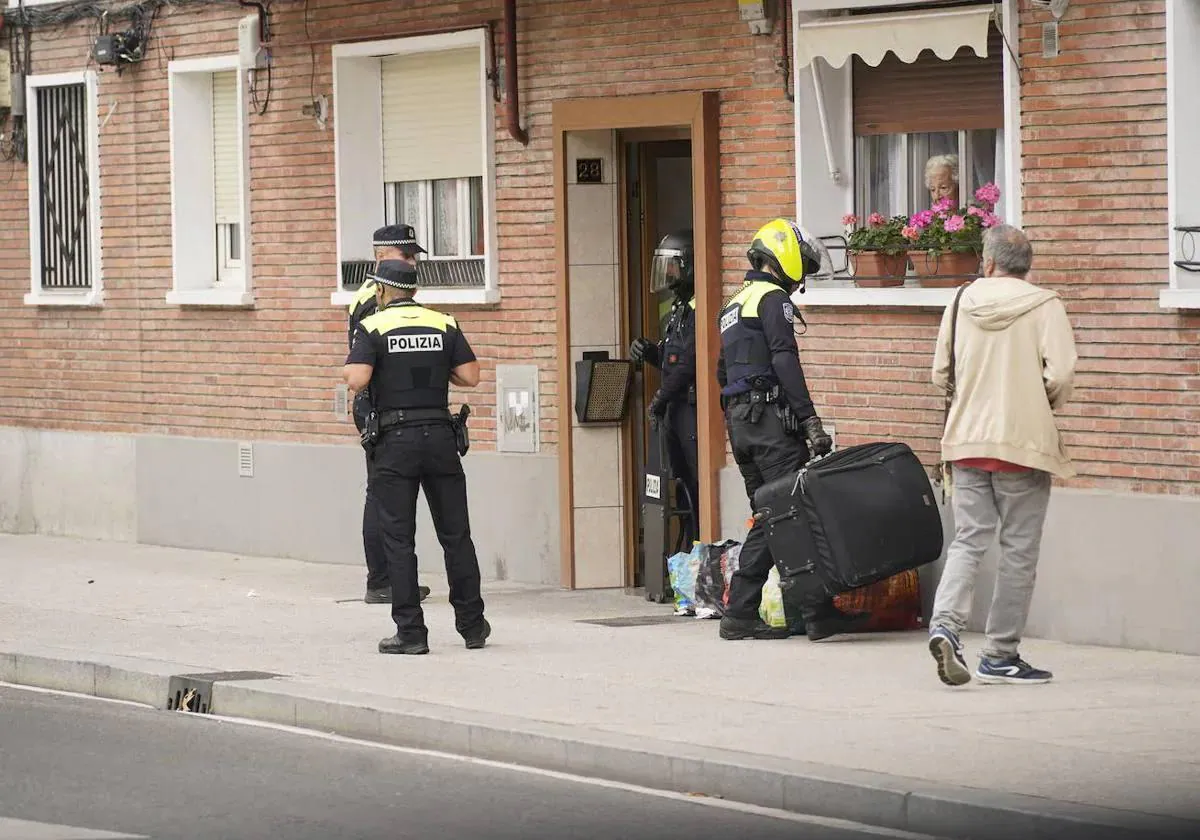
(602, 388)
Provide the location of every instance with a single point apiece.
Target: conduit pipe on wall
(511, 91)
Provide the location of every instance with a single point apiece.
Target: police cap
(395, 273)
(398, 236)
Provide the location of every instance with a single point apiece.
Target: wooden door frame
(699, 112)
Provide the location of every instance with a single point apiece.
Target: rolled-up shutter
(432, 115)
(226, 156)
(964, 93)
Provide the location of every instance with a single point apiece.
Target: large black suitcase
(852, 518)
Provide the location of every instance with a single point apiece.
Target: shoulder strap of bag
(951, 378)
(951, 382)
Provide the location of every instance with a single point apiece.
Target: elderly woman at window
(941, 178)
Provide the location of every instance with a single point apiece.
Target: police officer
(773, 426)
(391, 242)
(409, 355)
(675, 400)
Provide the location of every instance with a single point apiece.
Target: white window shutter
(226, 149)
(432, 116)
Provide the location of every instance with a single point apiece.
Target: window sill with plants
(916, 260)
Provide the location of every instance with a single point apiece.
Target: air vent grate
(245, 460)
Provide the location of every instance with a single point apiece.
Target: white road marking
(11, 829)
(694, 799)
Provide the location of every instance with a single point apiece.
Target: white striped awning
(905, 34)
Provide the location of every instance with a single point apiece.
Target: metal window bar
(1187, 248)
(64, 187)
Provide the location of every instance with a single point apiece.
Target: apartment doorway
(662, 151)
(658, 200)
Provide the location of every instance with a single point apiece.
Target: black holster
(462, 438)
(369, 435)
(791, 423)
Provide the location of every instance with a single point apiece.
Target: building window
(414, 141)
(879, 95)
(209, 176)
(1183, 164)
(64, 200)
(905, 114)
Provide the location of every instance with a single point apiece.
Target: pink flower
(988, 194)
(975, 211)
(922, 219)
(954, 223)
(990, 220)
(943, 207)
(876, 220)
(911, 232)
(849, 220)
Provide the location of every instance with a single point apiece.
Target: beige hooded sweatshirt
(1014, 366)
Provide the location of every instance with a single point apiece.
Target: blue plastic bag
(683, 570)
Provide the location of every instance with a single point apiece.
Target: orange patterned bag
(894, 603)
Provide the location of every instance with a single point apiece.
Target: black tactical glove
(819, 443)
(658, 408)
(644, 350)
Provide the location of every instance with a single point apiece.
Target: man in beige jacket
(1014, 366)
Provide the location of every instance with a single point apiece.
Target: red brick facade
(1093, 127)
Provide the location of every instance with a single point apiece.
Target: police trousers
(682, 455)
(763, 452)
(416, 458)
(377, 564)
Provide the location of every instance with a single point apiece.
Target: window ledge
(90, 298)
(433, 297)
(211, 297)
(1179, 299)
(850, 295)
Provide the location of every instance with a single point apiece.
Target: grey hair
(940, 162)
(1009, 248)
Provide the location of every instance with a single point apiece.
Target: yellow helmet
(782, 248)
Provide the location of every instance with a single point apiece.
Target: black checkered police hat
(398, 236)
(395, 273)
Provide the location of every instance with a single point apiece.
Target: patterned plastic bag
(771, 609)
(683, 570)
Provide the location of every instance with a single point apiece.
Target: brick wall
(1094, 135)
(140, 365)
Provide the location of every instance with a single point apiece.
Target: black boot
(383, 595)
(477, 636)
(412, 647)
(737, 629)
(827, 620)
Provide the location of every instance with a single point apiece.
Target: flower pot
(875, 269)
(945, 270)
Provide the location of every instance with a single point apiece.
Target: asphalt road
(81, 769)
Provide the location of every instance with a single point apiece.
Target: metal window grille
(63, 180)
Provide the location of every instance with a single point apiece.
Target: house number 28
(589, 170)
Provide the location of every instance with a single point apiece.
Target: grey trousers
(1015, 505)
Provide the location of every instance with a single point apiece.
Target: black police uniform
(676, 400)
(363, 305)
(767, 404)
(413, 350)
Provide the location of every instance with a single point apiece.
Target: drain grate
(631, 620)
(193, 692)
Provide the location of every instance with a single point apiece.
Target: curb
(812, 789)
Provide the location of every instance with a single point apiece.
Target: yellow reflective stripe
(399, 317)
(365, 292)
(752, 294)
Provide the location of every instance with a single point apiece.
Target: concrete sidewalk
(857, 728)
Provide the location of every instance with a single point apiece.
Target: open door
(659, 201)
